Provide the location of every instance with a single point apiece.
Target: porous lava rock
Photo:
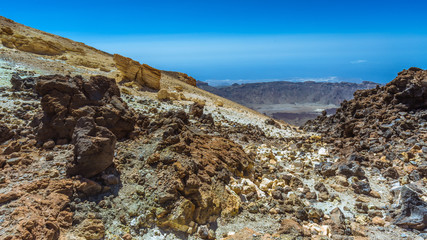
(66, 99)
(20, 84)
(376, 108)
(413, 211)
(381, 127)
(93, 148)
(193, 171)
(5, 133)
(89, 114)
(41, 211)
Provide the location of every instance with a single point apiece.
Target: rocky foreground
(87, 159)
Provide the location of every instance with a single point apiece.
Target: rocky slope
(94, 157)
(294, 102)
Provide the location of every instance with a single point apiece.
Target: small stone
(2, 179)
(341, 180)
(378, 221)
(375, 194)
(203, 232)
(127, 236)
(110, 179)
(54, 173)
(13, 161)
(49, 156)
(90, 187)
(49, 144)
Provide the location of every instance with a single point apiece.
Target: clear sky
(246, 41)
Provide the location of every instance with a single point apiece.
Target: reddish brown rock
(66, 99)
(93, 148)
(289, 226)
(5, 133)
(10, 196)
(42, 213)
(197, 168)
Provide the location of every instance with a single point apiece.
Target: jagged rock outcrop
(67, 99)
(93, 148)
(5, 133)
(396, 109)
(133, 71)
(193, 171)
(183, 77)
(89, 114)
(384, 128)
(20, 84)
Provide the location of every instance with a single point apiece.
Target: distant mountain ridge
(288, 92)
(293, 102)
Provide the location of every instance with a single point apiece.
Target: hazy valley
(293, 102)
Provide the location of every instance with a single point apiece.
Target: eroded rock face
(93, 148)
(20, 84)
(5, 133)
(41, 211)
(183, 77)
(193, 172)
(408, 91)
(29, 44)
(133, 71)
(67, 99)
(89, 114)
(413, 211)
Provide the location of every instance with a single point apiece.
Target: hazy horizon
(281, 40)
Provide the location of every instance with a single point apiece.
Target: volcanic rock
(413, 211)
(392, 111)
(198, 174)
(196, 109)
(20, 84)
(66, 99)
(5, 133)
(94, 148)
(351, 169)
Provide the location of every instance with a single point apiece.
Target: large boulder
(193, 172)
(66, 99)
(5, 133)
(89, 114)
(413, 211)
(93, 148)
(133, 71)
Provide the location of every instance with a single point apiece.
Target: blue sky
(246, 41)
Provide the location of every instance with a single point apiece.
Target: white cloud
(359, 61)
(225, 82)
